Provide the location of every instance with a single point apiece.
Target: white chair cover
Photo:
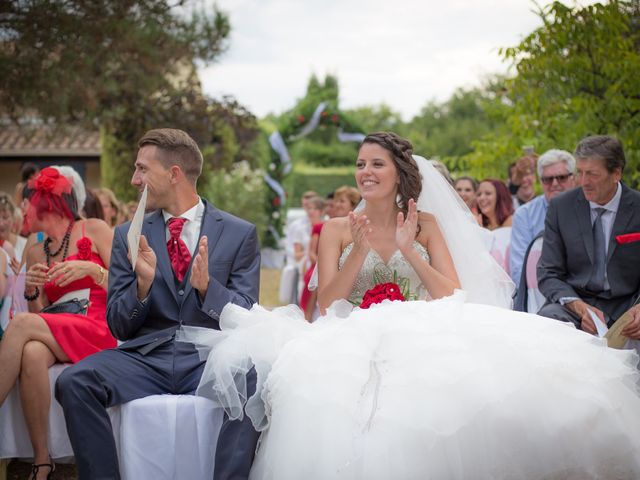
(289, 284)
(14, 439)
(167, 437)
(500, 246)
(535, 299)
(159, 437)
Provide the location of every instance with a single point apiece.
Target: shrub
(240, 191)
(320, 180)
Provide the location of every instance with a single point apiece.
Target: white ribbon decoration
(277, 143)
(350, 137)
(276, 187)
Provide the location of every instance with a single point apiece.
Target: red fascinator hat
(49, 192)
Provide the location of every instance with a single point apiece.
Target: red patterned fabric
(178, 252)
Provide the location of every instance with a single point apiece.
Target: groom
(193, 259)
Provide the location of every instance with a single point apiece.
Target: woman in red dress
(74, 256)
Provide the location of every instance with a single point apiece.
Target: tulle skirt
(426, 390)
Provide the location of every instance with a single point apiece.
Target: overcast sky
(400, 52)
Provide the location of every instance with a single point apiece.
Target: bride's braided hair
(401, 151)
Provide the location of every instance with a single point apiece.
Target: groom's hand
(200, 268)
(145, 267)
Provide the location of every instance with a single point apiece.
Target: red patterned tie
(178, 251)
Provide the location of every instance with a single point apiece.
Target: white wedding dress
(424, 390)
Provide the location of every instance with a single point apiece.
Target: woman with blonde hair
(110, 205)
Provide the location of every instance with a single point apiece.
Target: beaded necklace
(64, 245)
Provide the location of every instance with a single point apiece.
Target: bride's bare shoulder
(338, 224)
(424, 217)
(428, 224)
(337, 230)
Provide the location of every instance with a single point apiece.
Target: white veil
(479, 273)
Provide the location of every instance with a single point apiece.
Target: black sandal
(36, 468)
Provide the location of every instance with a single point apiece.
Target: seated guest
(443, 170)
(589, 262)
(345, 200)
(316, 214)
(494, 203)
(110, 206)
(296, 238)
(467, 187)
(6, 275)
(555, 169)
(73, 257)
(496, 215)
(27, 172)
(12, 243)
(192, 260)
(328, 205)
(522, 179)
(92, 206)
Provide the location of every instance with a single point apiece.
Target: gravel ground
(20, 471)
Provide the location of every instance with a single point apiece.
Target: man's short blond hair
(176, 147)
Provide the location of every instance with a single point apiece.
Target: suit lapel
(156, 239)
(211, 226)
(583, 214)
(626, 208)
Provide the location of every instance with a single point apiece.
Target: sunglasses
(559, 178)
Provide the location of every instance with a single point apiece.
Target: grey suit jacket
(567, 253)
(234, 269)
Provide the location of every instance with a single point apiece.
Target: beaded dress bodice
(374, 267)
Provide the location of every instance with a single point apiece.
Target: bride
(451, 385)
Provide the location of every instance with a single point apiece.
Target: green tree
(447, 130)
(124, 66)
(577, 75)
(377, 118)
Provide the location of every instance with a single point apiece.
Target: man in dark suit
(584, 264)
(193, 259)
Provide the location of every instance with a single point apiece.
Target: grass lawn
(269, 287)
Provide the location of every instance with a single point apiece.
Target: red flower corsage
(84, 248)
(628, 238)
(382, 291)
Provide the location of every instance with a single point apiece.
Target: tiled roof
(30, 140)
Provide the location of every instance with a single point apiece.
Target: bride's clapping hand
(406, 228)
(360, 229)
